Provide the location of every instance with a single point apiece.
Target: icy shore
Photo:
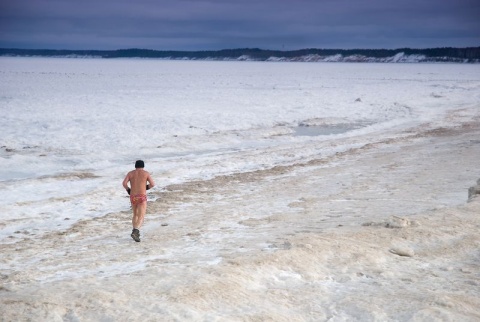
(362, 235)
(286, 192)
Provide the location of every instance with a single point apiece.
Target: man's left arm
(150, 181)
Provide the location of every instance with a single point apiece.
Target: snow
(286, 191)
(398, 58)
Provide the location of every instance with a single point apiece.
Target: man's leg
(137, 219)
(139, 215)
(134, 216)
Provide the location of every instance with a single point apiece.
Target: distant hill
(402, 55)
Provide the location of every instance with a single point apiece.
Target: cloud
(218, 24)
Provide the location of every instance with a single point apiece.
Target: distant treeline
(455, 54)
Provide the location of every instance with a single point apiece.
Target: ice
(286, 191)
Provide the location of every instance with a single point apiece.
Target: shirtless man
(138, 179)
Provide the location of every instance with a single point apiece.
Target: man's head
(139, 164)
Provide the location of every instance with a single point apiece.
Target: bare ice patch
(319, 127)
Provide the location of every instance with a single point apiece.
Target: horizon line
(240, 48)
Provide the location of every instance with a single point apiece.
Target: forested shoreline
(447, 54)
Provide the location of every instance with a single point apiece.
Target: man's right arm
(125, 183)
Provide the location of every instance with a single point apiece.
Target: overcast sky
(221, 24)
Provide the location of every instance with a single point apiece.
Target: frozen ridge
(398, 58)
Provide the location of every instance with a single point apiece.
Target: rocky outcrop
(474, 192)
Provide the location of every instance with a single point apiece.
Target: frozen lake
(251, 160)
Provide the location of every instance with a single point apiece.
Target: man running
(140, 181)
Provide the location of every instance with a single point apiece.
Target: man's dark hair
(139, 164)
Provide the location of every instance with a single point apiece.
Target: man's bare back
(138, 179)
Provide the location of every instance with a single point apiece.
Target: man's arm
(125, 183)
(151, 183)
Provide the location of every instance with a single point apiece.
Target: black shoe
(136, 235)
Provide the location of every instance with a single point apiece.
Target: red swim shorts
(138, 199)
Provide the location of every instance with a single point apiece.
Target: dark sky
(221, 24)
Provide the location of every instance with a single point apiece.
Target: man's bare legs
(137, 219)
(138, 214)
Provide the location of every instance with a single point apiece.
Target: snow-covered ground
(286, 191)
